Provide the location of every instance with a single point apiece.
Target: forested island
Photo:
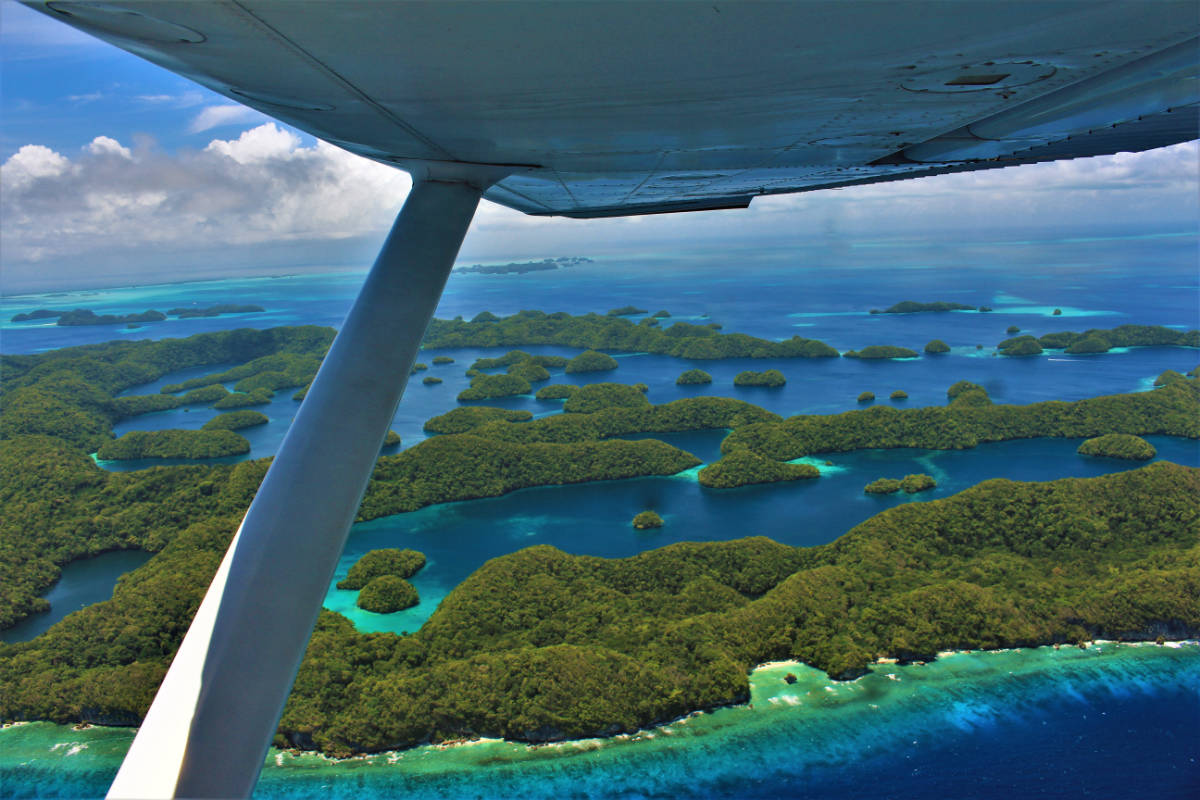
(743, 468)
(521, 267)
(693, 377)
(1097, 340)
(591, 361)
(971, 419)
(881, 351)
(913, 307)
(85, 316)
(645, 520)
(994, 566)
(599, 331)
(487, 387)
(1119, 445)
(771, 378)
(188, 312)
(988, 568)
(209, 443)
(909, 484)
(235, 420)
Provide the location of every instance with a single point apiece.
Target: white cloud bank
(264, 201)
(112, 202)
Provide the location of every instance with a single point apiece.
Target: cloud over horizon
(265, 199)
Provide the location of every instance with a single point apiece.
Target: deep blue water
(1075, 730)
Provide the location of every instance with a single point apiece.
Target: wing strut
(208, 730)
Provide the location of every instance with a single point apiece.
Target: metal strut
(208, 730)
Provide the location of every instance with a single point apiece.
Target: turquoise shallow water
(1043, 722)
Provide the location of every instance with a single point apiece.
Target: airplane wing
(614, 108)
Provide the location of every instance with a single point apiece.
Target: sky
(116, 172)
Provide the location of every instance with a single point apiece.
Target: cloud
(264, 200)
(31, 163)
(217, 116)
(185, 100)
(263, 188)
(81, 99)
(105, 146)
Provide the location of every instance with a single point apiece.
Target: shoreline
(278, 755)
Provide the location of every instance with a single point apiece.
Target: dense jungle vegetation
(970, 419)
(540, 645)
(596, 331)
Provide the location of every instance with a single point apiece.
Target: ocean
(1110, 721)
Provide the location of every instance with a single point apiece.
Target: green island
(521, 267)
(235, 420)
(529, 371)
(1011, 329)
(461, 420)
(661, 314)
(899, 394)
(883, 486)
(913, 307)
(866, 397)
(439, 360)
(597, 331)
(136, 404)
(976, 570)
(387, 561)
(591, 361)
(431, 380)
(257, 397)
(743, 468)
(41, 313)
(486, 387)
(84, 316)
(971, 419)
(209, 443)
(771, 378)
(881, 351)
(1020, 346)
(597, 646)
(626, 311)
(205, 394)
(217, 310)
(391, 439)
(418, 367)
(387, 594)
(645, 520)
(693, 377)
(520, 357)
(909, 484)
(936, 346)
(598, 396)
(1118, 445)
(1098, 340)
(555, 391)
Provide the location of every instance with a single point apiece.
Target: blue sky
(115, 171)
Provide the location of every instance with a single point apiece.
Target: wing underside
(601, 109)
